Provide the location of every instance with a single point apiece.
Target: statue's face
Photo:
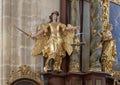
(54, 17)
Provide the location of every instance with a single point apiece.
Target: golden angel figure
(108, 50)
(53, 40)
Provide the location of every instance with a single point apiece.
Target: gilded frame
(105, 4)
(105, 10)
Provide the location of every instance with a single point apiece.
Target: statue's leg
(57, 64)
(46, 67)
(51, 64)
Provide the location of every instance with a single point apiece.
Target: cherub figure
(53, 40)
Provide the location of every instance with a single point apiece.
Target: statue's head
(54, 15)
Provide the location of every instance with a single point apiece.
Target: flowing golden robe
(53, 43)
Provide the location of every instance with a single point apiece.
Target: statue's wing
(40, 42)
(68, 36)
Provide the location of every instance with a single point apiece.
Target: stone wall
(15, 47)
(1, 42)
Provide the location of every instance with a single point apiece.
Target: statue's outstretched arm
(37, 34)
(70, 27)
(41, 30)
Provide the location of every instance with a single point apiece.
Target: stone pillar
(74, 65)
(86, 31)
(6, 39)
(0, 42)
(74, 14)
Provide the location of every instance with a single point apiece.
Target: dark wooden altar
(78, 78)
(95, 78)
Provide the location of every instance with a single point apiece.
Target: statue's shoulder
(61, 23)
(55, 24)
(40, 26)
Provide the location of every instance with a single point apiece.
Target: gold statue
(108, 50)
(53, 40)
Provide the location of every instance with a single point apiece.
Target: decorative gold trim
(24, 71)
(105, 13)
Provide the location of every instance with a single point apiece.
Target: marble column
(95, 28)
(86, 39)
(74, 65)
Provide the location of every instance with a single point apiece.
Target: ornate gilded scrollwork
(105, 13)
(24, 72)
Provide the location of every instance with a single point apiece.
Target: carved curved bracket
(24, 71)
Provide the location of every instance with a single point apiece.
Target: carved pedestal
(74, 79)
(95, 78)
(54, 78)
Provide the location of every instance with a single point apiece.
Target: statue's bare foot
(60, 70)
(45, 69)
(57, 70)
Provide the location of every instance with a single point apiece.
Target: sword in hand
(29, 35)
